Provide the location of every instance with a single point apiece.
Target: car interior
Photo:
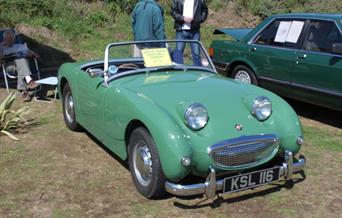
(121, 66)
(321, 36)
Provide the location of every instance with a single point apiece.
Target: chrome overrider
(211, 186)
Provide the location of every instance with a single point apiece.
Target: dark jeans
(195, 47)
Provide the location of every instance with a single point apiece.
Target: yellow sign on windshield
(156, 57)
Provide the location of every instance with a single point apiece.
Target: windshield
(155, 55)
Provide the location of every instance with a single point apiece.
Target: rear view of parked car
(295, 55)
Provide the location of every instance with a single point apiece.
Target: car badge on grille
(238, 127)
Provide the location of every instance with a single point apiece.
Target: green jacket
(148, 21)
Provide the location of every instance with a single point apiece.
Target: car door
(274, 54)
(91, 94)
(317, 74)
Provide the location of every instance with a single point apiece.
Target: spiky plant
(10, 119)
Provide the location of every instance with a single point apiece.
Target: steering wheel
(129, 66)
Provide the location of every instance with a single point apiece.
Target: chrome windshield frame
(210, 67)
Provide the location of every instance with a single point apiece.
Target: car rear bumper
(221, 66)
(211, 186)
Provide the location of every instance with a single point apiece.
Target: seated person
(19, 65)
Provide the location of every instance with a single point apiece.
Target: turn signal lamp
(211, 52)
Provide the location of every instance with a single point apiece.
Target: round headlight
(262, 108)
(196, 116)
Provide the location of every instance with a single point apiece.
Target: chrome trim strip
(300, 86)
(327, 92)
(211, 186)
(286, 83)
(211, 65)
(243, 139)
(296, 50)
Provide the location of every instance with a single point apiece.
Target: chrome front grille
(244, 151)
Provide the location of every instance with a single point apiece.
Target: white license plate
(250, 180)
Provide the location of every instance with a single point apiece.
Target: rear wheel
(244, 74)
(144, 164)
(69, 109)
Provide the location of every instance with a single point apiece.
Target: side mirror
(337, 48)
(95, 72)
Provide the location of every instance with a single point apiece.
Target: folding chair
(8, 77)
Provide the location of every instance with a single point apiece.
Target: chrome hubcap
(69, 108)
(243, 76)
(142, 163)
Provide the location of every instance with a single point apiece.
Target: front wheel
(244, 74)
(144, 164)
(69, 109)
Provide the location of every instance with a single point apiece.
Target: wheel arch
(132, 125)
(245, 63)
(62, 83)
(169, 149)
(73, 123)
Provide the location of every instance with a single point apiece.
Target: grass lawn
(53, 172)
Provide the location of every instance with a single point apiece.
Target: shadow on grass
(50, 57)
(317, 113)
(49, 61)
(201, 203)
(107, 150)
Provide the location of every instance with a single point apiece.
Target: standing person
(148, 22)
(20, 64)
(188, 16)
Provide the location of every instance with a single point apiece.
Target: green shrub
(244, 3)
(218, 4)
(19, 10)
(98, 18)
(9, 119)
(265, 8)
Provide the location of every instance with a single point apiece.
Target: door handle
(302, 57)
(252, 49)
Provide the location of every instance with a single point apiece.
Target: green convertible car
(294, 55)
(183, 129)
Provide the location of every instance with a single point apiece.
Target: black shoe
(32, 85)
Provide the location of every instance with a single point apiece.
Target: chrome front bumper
(211, 186)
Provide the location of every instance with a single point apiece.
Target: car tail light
(211, 52)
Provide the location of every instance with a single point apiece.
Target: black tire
(147, 175)
(244, 74)
(69, 112)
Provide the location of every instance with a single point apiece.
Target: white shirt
(188, 11)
